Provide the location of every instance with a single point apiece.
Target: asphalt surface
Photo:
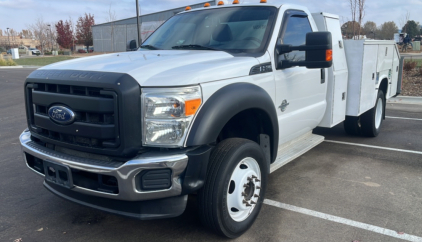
(372, 186)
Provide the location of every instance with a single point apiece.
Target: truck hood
(165, 67)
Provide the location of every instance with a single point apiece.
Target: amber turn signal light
(192, 106)
(236, 2)
(263, 1)
(329, 55)
(207, 5)
(188, 8)
(220, 3)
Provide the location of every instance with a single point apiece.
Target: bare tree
(361, 9)
(27, 34)
(72, 27)
(403, 21)
(13, 38)
(353, 9)
(39, 29)
(53, 36)
(357, 9)
(111, 18)
(343, 20)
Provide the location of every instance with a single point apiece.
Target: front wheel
(234, 188)
(371, 121)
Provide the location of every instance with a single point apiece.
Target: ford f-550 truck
(214, 100)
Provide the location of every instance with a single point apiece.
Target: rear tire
(234, 188)
(372, 120)
(352, 125)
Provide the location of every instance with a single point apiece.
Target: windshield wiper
(150, 47)
(192, 47)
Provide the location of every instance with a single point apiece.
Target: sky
(18, 14)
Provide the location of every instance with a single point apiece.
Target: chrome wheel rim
(244, 189)
(378, 113)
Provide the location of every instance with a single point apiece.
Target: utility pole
(8, 37)
(137, 24)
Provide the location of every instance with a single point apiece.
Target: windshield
(234, 29)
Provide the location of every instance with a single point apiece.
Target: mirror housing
(319, 53)
(131, 45)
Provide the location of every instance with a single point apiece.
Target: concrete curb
(410, 54)
(28, 66)
(10, 67)
(406, 100)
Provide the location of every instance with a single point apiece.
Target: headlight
(167, 114)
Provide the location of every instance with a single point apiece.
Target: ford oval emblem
(61, 114)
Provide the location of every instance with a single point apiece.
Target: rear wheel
(372, 120)
(234, 188)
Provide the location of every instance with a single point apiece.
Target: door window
(295, 34)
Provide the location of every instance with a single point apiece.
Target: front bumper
(143, 210)
(125, 173)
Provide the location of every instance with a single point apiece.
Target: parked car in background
(9, 52)
(91, 49)
(34, 51)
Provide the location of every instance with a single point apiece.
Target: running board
(295, 148)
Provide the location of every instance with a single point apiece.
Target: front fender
(224, 105)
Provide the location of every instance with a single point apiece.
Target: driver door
(300, 92)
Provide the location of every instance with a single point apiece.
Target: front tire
(234, 188)
(371, 121)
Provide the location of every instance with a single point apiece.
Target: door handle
(322, 76)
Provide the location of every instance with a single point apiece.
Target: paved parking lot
(335, 192)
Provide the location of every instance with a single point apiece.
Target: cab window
(295, 34)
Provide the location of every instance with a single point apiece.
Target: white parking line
(348, 222)
(417, 119)
(374, 147)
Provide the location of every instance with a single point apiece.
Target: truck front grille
(106, 105)
(96, 123)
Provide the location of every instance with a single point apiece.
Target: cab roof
(252, 3)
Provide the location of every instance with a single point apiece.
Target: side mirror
(319, 53)
(131, 45)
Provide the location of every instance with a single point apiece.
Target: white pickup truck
(214, 100)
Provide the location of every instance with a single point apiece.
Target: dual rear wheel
(369, 123)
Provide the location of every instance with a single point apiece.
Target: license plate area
(58, 174)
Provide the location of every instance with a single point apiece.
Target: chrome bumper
(125, 173)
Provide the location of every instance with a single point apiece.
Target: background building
(16, 41)
(113, 36)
